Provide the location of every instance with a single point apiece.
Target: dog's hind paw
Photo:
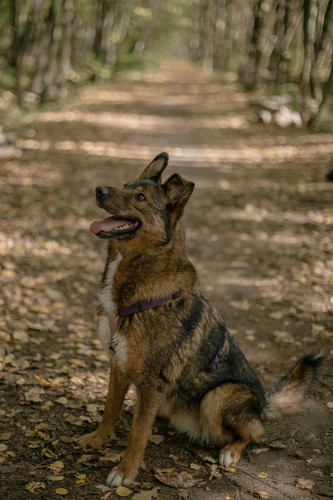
(225, 458)
(231, 453)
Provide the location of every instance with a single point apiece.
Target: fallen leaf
(304, 484)
(55, 478)
(207, 458)
(214, 472)
(257, 451)
(102, 487)
(156, 439)
(183, 494)
(262, 345)
(34, 394)
(3, 447)
(61, 491)
(114, 457)
(122, 491)
(330, 405)
(195, 466)
(21, 336)
(43, 382)
(84, 459)
(262, 475)
(277, 445)
(48, 453)
(56, 466)
(91, 408)
(80, 478)
(146, 494)
(261, 494)
(62, 400)
(4, 436)
(74, 420)
(176, 479)
(35, 485)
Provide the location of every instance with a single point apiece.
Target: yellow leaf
(262, 475)
(48, 453)
(81, 476)
(61, 491)
(43, 382)
(121, 491)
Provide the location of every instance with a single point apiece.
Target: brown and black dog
(168, 339)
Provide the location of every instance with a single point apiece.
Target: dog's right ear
(155, 168)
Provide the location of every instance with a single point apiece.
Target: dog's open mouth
(115, 227)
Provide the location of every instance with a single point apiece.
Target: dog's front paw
(93, 440)
(117, 478)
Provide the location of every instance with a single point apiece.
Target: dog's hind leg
(118, 386)
(230, 417)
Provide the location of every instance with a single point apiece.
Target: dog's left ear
(155, 168)
(178, 191)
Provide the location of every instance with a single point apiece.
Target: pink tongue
(107, 224)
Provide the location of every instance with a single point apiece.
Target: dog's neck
(152, 273)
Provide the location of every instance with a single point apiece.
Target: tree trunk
(66, 45)
(323, 110)
(308, 76)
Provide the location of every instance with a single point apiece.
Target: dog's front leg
(114, 401)
(145, 411)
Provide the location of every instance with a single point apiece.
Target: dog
(164, 336)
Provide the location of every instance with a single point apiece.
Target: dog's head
(145, 210)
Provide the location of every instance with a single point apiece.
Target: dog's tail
(287, 395)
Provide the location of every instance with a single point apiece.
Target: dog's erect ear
(178, 191)
(155, 168)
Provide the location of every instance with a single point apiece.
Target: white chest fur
(118, 342)
(105, 296)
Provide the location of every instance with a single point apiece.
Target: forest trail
(259, 231)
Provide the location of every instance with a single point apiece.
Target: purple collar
(145, 305)
(135, 308)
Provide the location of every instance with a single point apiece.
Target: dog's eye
(140, 197)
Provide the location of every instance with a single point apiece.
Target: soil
(259, 231)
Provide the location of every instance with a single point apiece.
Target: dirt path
(258, 231)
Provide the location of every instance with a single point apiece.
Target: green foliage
(45, 45)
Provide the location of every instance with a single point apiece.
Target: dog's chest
(105, 296)
(115, 339)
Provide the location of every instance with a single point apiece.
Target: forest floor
(259, 231)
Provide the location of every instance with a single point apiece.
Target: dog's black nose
(102, 191)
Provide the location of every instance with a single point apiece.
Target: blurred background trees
(48, 46)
